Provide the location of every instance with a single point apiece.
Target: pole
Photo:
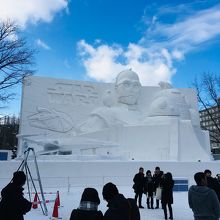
(40, 184)
(23, 166)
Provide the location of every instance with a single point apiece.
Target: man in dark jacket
(212, 183)
(157, 178)
(13, 205)
(202, 200)
(119, 208)
(139, 186)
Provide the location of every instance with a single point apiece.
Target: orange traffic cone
(58, 198)
(55, 210)
(35, 203)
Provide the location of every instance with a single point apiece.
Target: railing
(53, 183)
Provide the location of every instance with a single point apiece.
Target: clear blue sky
(93, 40)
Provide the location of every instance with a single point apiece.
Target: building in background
(210, 120)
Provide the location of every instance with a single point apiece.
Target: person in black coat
(13, 205)
(88, 207)
(119, 208)
(139, 186)
(167, 194)
(157, 177)
(212, 183)
(149, 189)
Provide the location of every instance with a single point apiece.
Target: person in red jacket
(13, 205)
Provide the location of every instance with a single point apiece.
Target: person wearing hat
(119, 208)
(13, 205)
(88, 207)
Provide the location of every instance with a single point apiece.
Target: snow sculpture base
(163, 139)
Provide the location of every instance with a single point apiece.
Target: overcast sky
(94, 40)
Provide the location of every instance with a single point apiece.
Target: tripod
(24, 166)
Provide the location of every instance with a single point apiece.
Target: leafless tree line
(208, 93)
(16, 59)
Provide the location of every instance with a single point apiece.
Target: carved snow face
(128, 87)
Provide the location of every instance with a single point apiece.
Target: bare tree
(208, 93)
(16, 59)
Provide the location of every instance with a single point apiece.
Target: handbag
(134, 187)
(158, 193)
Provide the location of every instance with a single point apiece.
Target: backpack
(134, 213)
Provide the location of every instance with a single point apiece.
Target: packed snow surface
(70, 200)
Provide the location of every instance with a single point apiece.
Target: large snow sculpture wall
(122, 120)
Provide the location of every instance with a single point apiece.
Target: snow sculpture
(124, 112)
(169, 102)
(51, 120)
(112, 121)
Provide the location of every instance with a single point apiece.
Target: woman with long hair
(167, 194)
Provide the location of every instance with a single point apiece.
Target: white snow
(70, 200)
(70, 179)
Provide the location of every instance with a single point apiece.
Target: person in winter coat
(167, 194)
(88, 207)
(218, 178)
(212, 183)
(157, 177)
(202, 200)
(139, 186)
(149, 189)
(119, 208)
(13, 205)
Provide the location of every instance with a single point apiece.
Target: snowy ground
(70, 200)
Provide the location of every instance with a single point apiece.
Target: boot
(170, 211)
(152, 202)
(157, 204)
(139, 201)
(165, 211)
(148, 203)
(135, 198)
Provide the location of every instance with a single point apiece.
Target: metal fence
(66, 183)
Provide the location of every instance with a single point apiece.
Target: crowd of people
(203, 198)
(13, 205)
(159, 185)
